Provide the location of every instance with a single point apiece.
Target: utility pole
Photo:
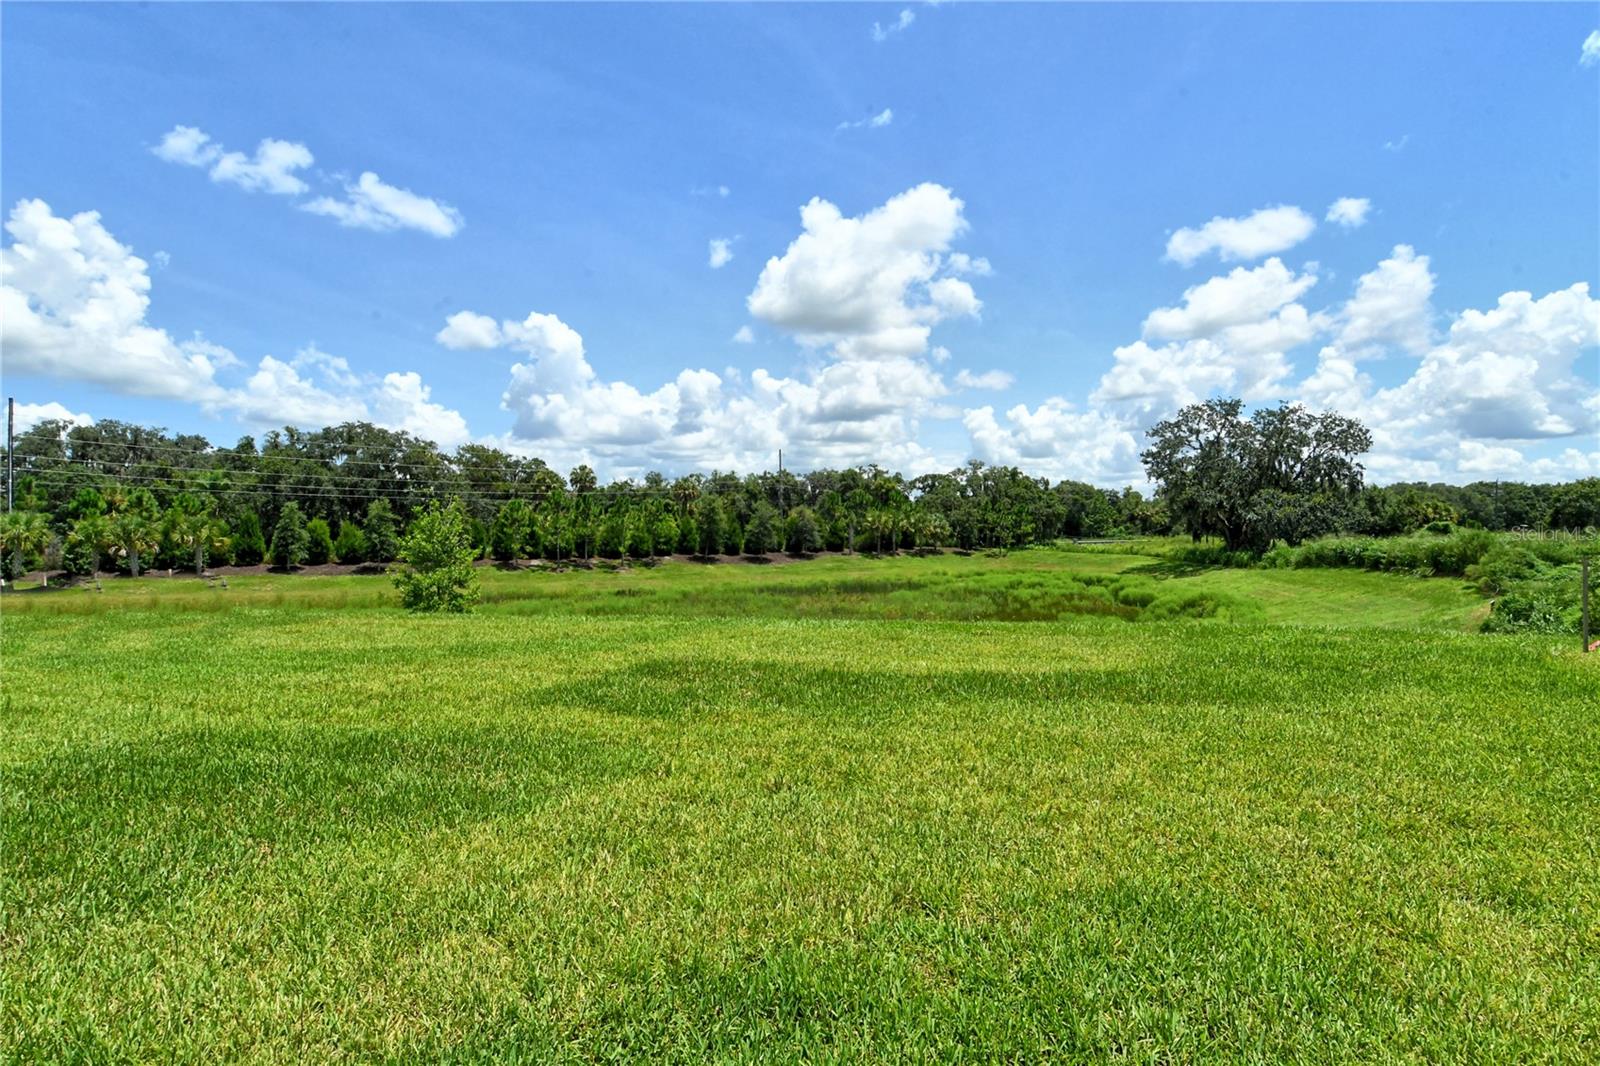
(1584, 596)
(11, 445)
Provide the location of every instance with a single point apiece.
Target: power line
(445, 462)
(319, 490)
(148, 453)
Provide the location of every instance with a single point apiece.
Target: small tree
(640, 539)
(249, 546)
(289, 537)
(383, 533)
(709, 525)
(22, 534)
(198, 532)
(91, 535)
(319, 542)
(435, 572)
(613, 535)
(134, 535)
(508, 534)
(804, 536)
(762, 531)
(350, 546)
(664, 533)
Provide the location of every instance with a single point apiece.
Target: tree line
(115, 494)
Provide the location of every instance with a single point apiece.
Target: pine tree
(319, 542)
(383, 534)
(350, 546)
(289, 538)
(249, 546)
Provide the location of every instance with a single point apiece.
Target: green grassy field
(909, 809)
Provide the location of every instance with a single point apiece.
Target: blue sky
(1011, 203)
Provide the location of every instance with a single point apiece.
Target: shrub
(350, 546)
(1505, 567)
(249, 546)
(1214, 555)
(319, 542)
(436, 556)
(1533, 611)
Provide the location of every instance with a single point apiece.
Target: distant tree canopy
(1278, 474)
(1283, 473)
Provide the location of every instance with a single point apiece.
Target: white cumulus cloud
(73, 302)
(1391, 306)
(1590, 54)
(372, 204)
(861, 296)
(1263, 232)
(1349, 211)
(72, 306)
(367, 203)
(31, 414)
(465, 329)
(721, 252)
(869, 286)
(272, 168)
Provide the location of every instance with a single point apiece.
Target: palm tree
(201, 533)
(880, 523)
(133, 534)
(92, 533)
(22, 533)
(685, 491)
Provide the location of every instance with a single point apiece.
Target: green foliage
(513, 524)
(640, 542)
(290, 540)
(761, 532)
(360, 473)
(1281, 474)
(664, 534)
(195, 532)
(436, 572)
(1427, 555)
(350, 546)
(612, 536)
(319, 542)
(1576, 505)
(1539, 609)
(134, 533)
(23, 538)
(249, 546)
(804, 534)
(382, 532)
(91, 538)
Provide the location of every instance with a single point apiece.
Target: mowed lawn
(706, 819)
